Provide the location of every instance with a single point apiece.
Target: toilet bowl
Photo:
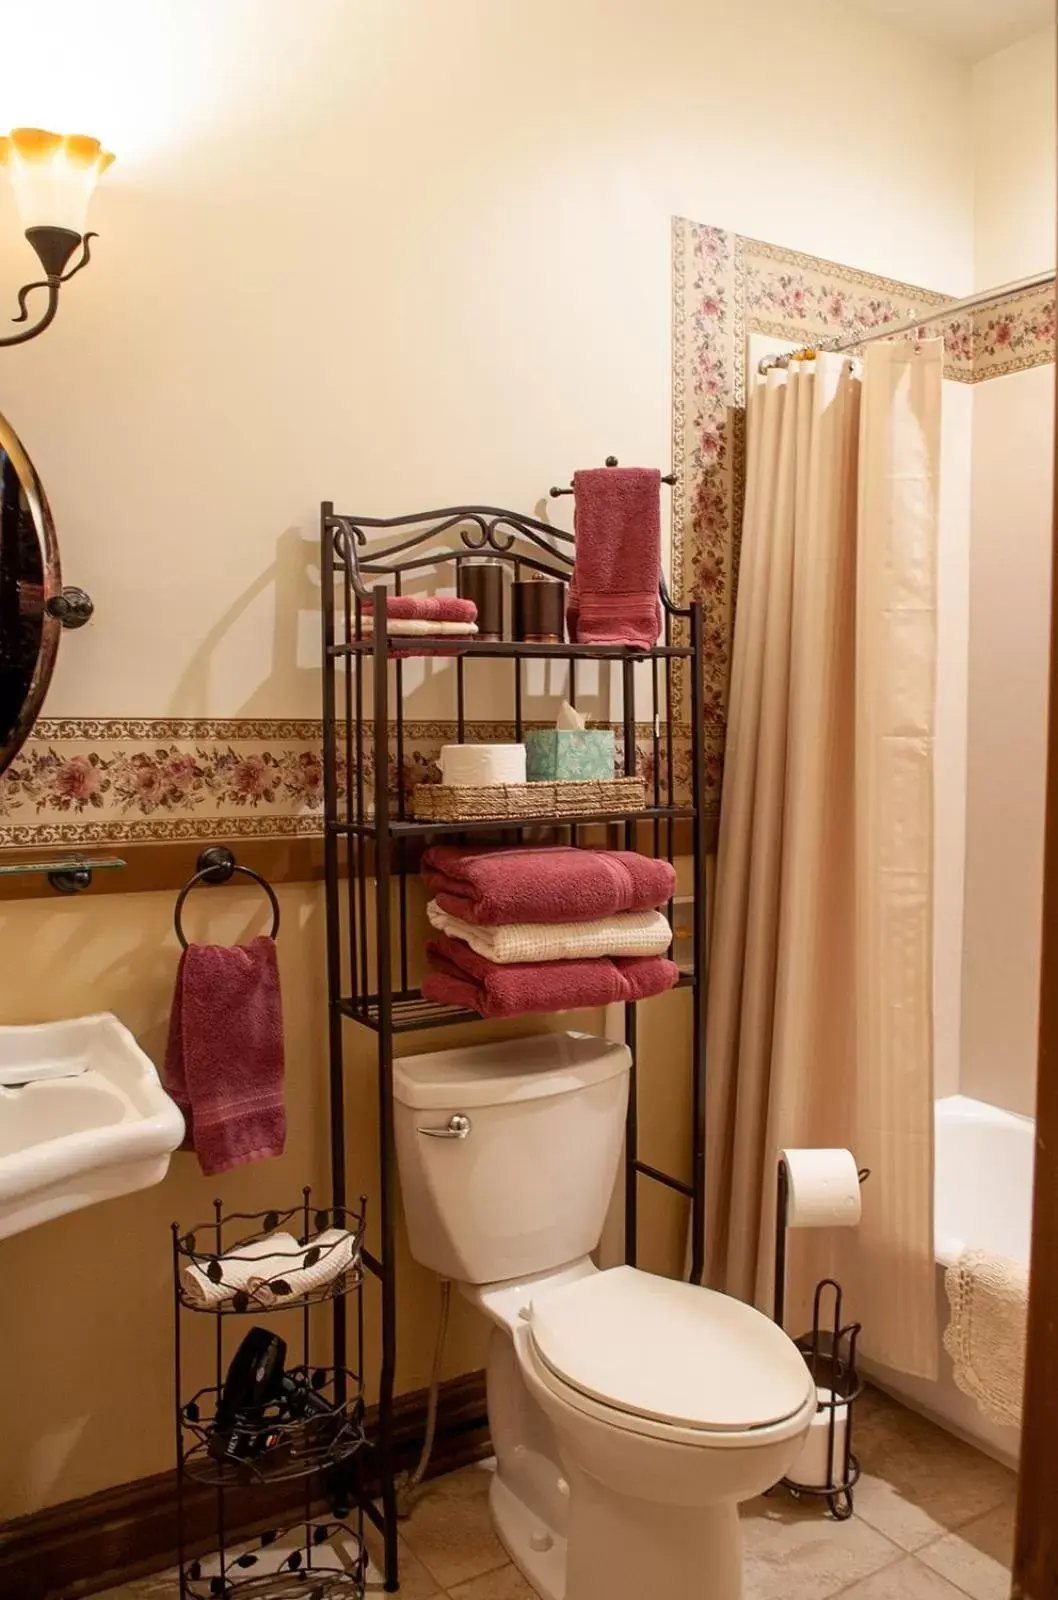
(629, 1414)
(670, 1405)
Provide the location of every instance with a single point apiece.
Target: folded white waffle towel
(629, 933)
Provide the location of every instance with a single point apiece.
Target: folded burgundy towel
(427, 608)
(460, 977)
(613, 596)
(224, 1058)
(557, 884)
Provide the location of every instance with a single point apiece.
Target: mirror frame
(51, 625)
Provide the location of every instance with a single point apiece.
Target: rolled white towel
(238, 1268)
(332, 1253)
(415, 627)
(629, 933)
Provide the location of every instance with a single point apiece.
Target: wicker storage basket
(437, 802)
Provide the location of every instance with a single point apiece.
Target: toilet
(630, 1414)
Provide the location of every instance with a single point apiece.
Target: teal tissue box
(556, 754)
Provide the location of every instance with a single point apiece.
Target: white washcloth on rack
(263, 1257)
(629, 933)
(255, 1267)
(419, 627)
(337, 1248)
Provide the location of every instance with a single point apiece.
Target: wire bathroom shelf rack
(373, 841)
(305, 1427)
(211, 1250)
(312, 1560)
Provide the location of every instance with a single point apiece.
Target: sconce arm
(51, 283)
(52, 286)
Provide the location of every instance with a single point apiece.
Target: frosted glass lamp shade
(53, 176)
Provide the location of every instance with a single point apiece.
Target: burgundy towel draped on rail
(224, 1058)
(613, 596)
(459, 976)
(556, 884)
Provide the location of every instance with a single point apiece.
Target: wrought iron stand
(308, 1432)
(371, 833)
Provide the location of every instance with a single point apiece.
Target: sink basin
(83, 1117)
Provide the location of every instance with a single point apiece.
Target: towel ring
(218, 865)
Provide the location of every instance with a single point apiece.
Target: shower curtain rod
(954, 307)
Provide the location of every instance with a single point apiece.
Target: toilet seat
(667, 1359)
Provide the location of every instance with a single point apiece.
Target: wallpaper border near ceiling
(93, 781)
(726, 287)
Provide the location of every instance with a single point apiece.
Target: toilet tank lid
(536, 1068)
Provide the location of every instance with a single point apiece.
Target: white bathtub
(983, 1197)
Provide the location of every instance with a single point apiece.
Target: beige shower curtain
(820, 990)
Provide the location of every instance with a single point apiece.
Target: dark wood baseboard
(83, 1546)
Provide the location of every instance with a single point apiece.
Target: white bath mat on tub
(989, 1298)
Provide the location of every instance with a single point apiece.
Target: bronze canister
(540, 611)
(482, 582)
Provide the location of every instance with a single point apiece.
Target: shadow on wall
(428, 684)
(292, 580)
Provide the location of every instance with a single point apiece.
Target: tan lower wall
(87, 1322)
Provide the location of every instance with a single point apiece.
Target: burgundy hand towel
(613, 597)
(461, 977)
(558, 884)
(424, 608)
(427, 608)
(224, 1058)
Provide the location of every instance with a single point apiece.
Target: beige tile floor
(934, 1521)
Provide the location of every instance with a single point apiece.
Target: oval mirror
(31, 595)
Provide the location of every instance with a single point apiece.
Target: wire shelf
(410, 1013)
(506, 649)
(210, 1261)
(410, 829)
(284, 1450)
(309, 1561)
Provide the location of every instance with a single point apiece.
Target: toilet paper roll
(823, 1189)
(820, 1465)
(477, 765)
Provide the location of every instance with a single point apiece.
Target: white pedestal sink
(83, 1117)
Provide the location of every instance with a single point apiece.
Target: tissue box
(566, 754)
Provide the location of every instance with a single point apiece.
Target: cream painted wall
(395, 253)
(1014, 167)
(1010, 560)
(402, 253)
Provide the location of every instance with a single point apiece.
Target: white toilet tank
(526, 1186)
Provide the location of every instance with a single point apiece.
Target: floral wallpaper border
(129, 781)
(726, 287)
(1014, 336)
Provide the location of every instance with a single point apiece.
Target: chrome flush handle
(457, 1127)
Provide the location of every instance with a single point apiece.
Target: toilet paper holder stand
(782, 1212)
(827, 1467)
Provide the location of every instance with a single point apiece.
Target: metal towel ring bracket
(218, 865)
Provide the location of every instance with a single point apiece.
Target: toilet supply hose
(409, 1485)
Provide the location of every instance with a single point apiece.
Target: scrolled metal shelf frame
(481, 530)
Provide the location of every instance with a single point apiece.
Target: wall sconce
(53, 176)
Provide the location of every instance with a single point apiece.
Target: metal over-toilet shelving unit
(373, 841)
